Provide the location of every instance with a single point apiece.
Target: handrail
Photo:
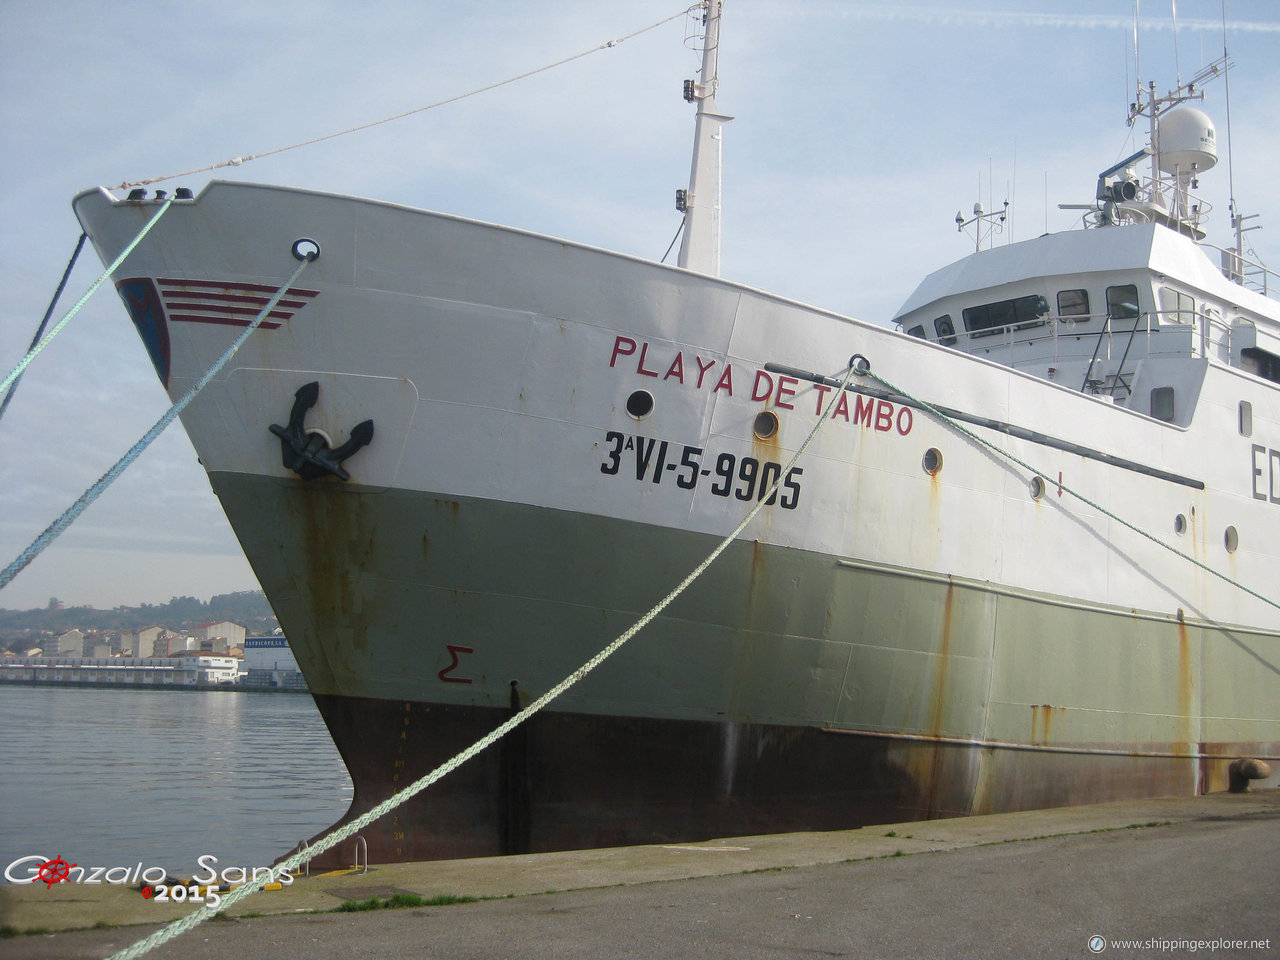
(1175, 201)
(1250, 274)
(1119, 375)
(1161, 200)
(1088, 371)
(1206, 335)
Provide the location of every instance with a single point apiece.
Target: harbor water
(109, 777)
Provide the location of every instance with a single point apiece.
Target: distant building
(143, 643)
(95, 641)
(233, 633)
(70, 644)
(269, 663)
(172, 645)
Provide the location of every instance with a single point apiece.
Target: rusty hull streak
(337, 545)
(928, 773)
(1186, 684)
(944, 662)
(1042, 715)
(768, 448)
(743, 651)
(940, 696)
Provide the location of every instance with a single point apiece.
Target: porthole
(1037, 487)
(1179, 524)
(766, 425)
(640, 404)
(932, 461)
(1231, 539)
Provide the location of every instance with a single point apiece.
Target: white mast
(700, 246)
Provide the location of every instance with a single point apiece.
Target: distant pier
(150, 673)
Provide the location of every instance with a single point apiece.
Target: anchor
(307, 452)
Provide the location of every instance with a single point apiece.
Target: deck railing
(1250, 274)
(1206, 335)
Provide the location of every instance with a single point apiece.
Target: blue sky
(861, 129)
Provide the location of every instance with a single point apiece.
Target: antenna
(1137, 61)
(1046, 201)
(1231, 179)
(981, 221)
(1233, 265)
(1011, 188)
(1177, 64)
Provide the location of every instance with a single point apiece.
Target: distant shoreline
(224, 687)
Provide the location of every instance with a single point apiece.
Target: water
(116, 777)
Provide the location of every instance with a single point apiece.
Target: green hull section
(394, 595)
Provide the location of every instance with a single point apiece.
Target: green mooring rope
(965, 431)
(82, 503)
(180, 926)
(44, 342)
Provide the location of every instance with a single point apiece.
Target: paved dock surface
(1177, 877)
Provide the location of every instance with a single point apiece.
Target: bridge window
(946, 330)
(1122, 302)
(1019, 312)
(1177, 307)
(1260, 362)
(1073, 303)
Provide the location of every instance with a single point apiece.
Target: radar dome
(1187, 141)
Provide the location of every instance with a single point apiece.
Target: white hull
(498, 363)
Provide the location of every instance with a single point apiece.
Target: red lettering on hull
(880, 416)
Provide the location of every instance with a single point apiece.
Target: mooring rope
(44, 322)
(90, 495)
(180, 926)
(965, 431)
(237, 161)
(31, 354)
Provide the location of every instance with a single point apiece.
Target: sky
(860, 129)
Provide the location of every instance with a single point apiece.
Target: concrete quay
(1172, 877)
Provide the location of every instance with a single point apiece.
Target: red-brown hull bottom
(567, 781)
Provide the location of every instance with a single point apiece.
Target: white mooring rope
(196, 917)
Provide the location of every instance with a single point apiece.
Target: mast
(700, 245)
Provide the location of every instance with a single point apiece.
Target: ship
(1029, 558)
